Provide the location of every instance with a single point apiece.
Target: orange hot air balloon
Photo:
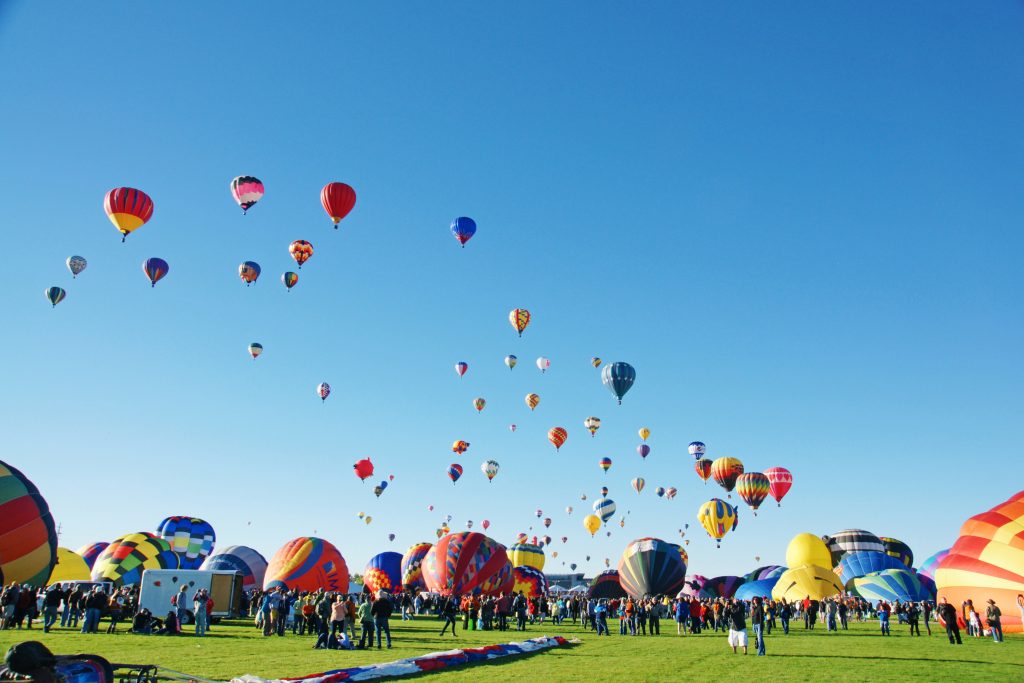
(128, 209)
(307, 564)
(519, 318)
(703, 469)
(337, 199)
(532, 400)
(300, 250)
(725, 471)
(557, 436)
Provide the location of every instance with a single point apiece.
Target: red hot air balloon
(300, 250)
(725, 471)
(128, 209)
(780, 480)
(468, 563)
(557, 436)
(337, 199)
(703, 469)
(454, 472)
(363, 468)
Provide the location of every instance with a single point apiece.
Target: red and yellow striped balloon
(28, 538)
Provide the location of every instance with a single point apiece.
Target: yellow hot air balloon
(808, 549)
(519, 318)
(811, 580)
(644, 433)
(532, 400)
(70, 567)
(368, 519)
(592, 523)
(718, 518)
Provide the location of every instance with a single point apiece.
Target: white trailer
(160, 585)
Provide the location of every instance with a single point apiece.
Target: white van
(160, 585)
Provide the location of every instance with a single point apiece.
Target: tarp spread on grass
(414, 665)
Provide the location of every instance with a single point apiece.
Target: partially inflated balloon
(807, 580)
(412, 567)
(155, 269)
(891, 585)
(519, 318)
(898, 549)
(557, 436)
(524, 554)
(721, 587)
(463, 229)
(128, 209)
(337, 200)
(76, 264)
(592, 523)
(384, 572)
(927, 568)
(619, 378)
(28, 537)
(190, 537)
(650, 566)
(850, 541)
(70, 567)
(239, 558)
(92, 551)
(467, 563)
(718, 518)
(124, 560)
(855, 565)
(246, 190)
(54, 295)
(308, 564)
(300, 250)
(606, 586)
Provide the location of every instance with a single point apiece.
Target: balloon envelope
(721, 587)
(70, 567)
(756, 589)
(619, 378)
(90, 552)
(28, 537)
(337, 199)
(606, 586)
(855, 565)
(124, 560)
(128, 209)
(412, 567)
(531, 582)
(930, 564)
(246, 190)
(890, 585)
(190, 537)
(307, 563)
(463, 229)
(807, 548)
(807, 580)
(384, 572)
(467, 562)
(898, 549)
(239, 558)
(526, 555)
(851, 541)
(650, 566)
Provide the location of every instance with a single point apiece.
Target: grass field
(860, 654)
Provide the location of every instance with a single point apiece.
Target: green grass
(857, 655)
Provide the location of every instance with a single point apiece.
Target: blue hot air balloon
(756, 589)
(463, 228)
(618, 377)
(856, 565)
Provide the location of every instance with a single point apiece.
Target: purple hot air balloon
(643, 450)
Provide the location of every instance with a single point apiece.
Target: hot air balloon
(718, 518)
(490, 468)
(363, 469)
(383, 572)
(28, 537)
(155, 269)
(850, 541)
(604, 508)
(557, 436)
(539, 513)
(54, 295)
(771, 571)
(604, 463)
(530, 582)
(461, 367)
(249, 272)
(512, 428)
(565, 539)
(190, 537)
(671, 492)
(300, 250)
(808, 549)
(123, 561)
(595, 361)
(703, 469)
(780, 480)
(592, 523)
(519, 318)
(644, 433)
(643, 450)
(467, 563)
(76, 264)
(891, 585)
(247, 191)
(290, 279)
(520, 538)
(460, 447)
(606, 586)
(660, 491)
(511, 361)
(337, 200)
(308, 564)
(368, 519)
(543, 364)
(486, 524)
(808, 580)
(985, 562)
(377, 490)
(323, 390)
(90, 552)
(720, 587)
(391, 537)
(900, 550)
(547, 524)
(128, 209)
(619, 378)
(592, 424)
(650, 566)
(604, 491)
(697, 449)
(479, 404)
(255, 349)
(638, 484)
(855, 565)
(532, 400)
(927, 567)
(568, 510)
(239, 558)
(752, 488)
(454, 472)
(622, 522)
(756, 589)
(412, 567)
(69, 567)
(725, 471)
(463, 228)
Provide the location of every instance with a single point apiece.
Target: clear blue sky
(800, 223)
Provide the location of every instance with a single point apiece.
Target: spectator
(757, 620)
(993, 617)
(381, 611)
(947, 613)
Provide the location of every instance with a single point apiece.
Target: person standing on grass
(338, 614)
(734, 619)
(199, 609)
(883, 617)
(947, 613)
(993, 617)
(381, 611)
(785, 613)
(51, 601)
(450, 612)
(757, 620)
(180, 602)
(366, 623)
(601, 618)
(913, 615)
(926, 612)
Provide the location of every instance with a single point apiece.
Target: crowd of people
(332, 618)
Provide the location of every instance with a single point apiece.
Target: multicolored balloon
(606, 586)
(726, 471)
(511, 361)
(723, 587)
(300, 250)
(28, 536)
(190, 537)
(454, 472)
(619, 378)
(595, 361)
(308, 564)
(337, 199)
(638, 484)
(54, 295)
(660, 491)
(900, 550)
(605, 463)
(718, 518)
(412, 567)
(780, 480)
(249, 272)
(479, 404)
(123, 561)
(604, 508)
(323, 390)
(650, 566)
(460, 446)
(290, 279)
(557, 436)
(246, 190)
(671, 492)
(697, 449)
(461, 367)
(530, 582)
(383, 572)
(490, 468)
(519, 318)
(891, 585)
(128, 209)
(155, 269)
(255, 349)
(467, 563)
(703, 469)
(752, 488)
(239, 558)
(463, 229)
(76, 264)
(523, 554)
(532, 400)
(592, 424)
(851, 541)
(90, 552)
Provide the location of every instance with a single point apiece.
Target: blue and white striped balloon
(604, 508)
